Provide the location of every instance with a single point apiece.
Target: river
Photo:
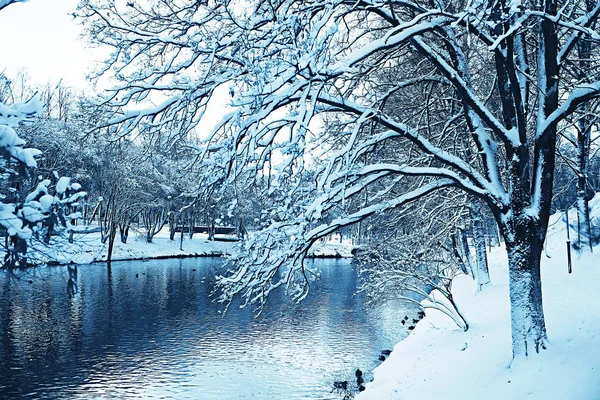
(151, 330)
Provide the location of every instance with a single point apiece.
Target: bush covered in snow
(35, 214)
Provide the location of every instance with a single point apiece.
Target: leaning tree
(487, 85)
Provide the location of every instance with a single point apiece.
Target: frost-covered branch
(6, 3)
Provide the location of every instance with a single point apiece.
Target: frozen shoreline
(88, 249)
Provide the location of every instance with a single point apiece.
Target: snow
(12, 223)
(439, 361)
(20, 112)
(137, 248)
(46, 201)
(87, 247)
(12, 116)
(62, 185)
(332, 250)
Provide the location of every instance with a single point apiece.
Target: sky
(43, 37)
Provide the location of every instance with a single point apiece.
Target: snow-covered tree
(501, 67)
(415, 268)
(34, 213)
(40, 212)
(416, 250)
(6, 3)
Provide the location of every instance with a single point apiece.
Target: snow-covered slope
(438, 361)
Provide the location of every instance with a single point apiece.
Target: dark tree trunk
(111, 243)
(172, 225)
(242, 230)
(466, 252)
(584, 130)
(154, 221)
(462, 263)
(482, 276)
(85, 214)
(191, 224)
(524, 245)
(525, 221)
(124, 232)
(211, 229)
(181, 234)
(584, 236)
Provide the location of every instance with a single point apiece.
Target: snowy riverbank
(438, 361)
(88, 249)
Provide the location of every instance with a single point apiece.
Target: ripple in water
(160, 335)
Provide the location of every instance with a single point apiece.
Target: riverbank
(87, 248)
(438, 361)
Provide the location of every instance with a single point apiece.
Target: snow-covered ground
(87, 248)
(438, 361)
(333, 248)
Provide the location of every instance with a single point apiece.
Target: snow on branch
(584, 21)
(10, 142)
(276, 256)
(6, 3)
(325, 229)
(467, 93)
(578, 96)
(398, 129)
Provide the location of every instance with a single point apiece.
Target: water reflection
(150, 330)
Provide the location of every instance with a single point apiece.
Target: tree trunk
(525, 286)
(584, 236)
(462, 263)
(524, 223)
(482, 276)
(466, 252)
(191, 224)
(181, 234)
(584, 131)
(211, 229)
(242, 230)
(172, 225)
(111, 243)
(124, 232)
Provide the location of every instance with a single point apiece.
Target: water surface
(160, 335)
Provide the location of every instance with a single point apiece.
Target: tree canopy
(465, 95)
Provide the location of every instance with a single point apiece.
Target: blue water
(160, 335)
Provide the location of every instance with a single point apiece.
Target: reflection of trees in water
(46, 330)
(67, 329)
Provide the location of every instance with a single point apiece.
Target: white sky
(43, 37)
